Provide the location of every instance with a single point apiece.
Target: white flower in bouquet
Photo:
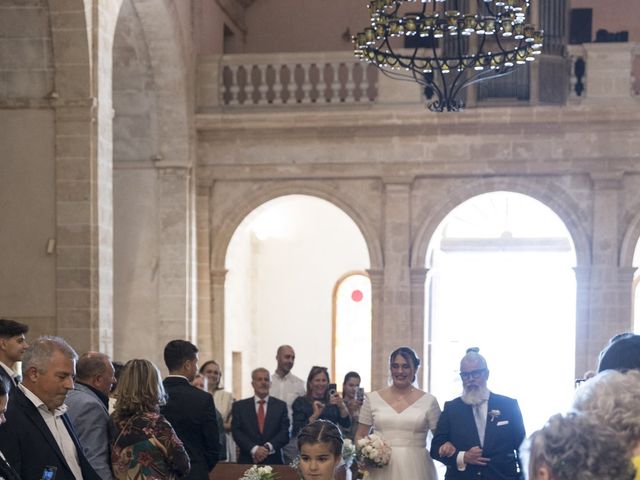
(259, 473)
(373, 452)
(348, 451)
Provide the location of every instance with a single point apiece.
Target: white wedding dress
(406, 433)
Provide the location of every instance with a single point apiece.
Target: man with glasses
(479, 433)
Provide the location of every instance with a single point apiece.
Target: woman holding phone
(353, 397)
(322, 401)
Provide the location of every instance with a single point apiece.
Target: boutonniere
(494, 414)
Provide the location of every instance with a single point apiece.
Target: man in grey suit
(88, 409)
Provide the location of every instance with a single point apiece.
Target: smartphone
(332, 389)
(49, 473)
(360, 393)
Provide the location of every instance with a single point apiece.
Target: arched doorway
(352, 328)
(501, 278)
(283, 262)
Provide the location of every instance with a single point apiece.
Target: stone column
(396, 325)
(174, 268)
(203, 253)
(217, 279)
(583, 288)
(418, 277)
(610, 286)
(378, 362)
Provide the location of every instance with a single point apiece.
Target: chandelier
(447, 46)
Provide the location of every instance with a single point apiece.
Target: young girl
(320, 446)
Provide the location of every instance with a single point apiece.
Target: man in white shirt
(260, 424)
(284, 384)
(38, 435)
(13, 344)
(287, 387)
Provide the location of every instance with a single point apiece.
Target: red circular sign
(356, 296)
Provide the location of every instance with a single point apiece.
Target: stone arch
(233, 218)
(629, 242)
(548, 193)
(166, 55)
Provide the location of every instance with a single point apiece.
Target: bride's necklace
(403, 394)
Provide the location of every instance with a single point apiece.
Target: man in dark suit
(13, 344)
(479, 433)
(38, 434)
(260, 424)
(190, 410)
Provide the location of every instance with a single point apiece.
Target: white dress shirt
(482, 412)
(287, 389)
(58, 430)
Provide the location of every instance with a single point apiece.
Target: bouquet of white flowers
(259, 473)
(373, 452)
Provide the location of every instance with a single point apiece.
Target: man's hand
(473, 456)
(447, 449)
(260, 454)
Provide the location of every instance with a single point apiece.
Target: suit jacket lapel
(490, 429)
(466, 419)
(253, 416)
(34, 416)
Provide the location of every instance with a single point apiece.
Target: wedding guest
(622, 353)
(13, 344)
(201, 382)
(287, 387)
(574, 446)
(319, 403)
(353, 396)
(611, 399)
(6, 471)
(320, 445)
(403, 415)
(143, 443)
(224, 403)
(479, 433)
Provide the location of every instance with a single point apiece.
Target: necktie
(261, 415)
(481, 421)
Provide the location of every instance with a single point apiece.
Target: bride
(402, 414)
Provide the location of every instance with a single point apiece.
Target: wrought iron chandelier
(452, 47)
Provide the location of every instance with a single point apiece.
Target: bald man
(479, 433)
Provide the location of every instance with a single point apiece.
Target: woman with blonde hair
(577, 447)
(143, 443)
(224, 402)
(611, 399)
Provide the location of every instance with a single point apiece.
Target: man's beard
(475, 396)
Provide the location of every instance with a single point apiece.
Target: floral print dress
(145, 447)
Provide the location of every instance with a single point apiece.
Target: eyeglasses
(475, 374)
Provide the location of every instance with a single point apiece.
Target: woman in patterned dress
(144, 445)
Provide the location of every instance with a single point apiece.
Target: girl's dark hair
(312, 373)
(322, 431)
(351, 375)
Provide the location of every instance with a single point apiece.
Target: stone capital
(607, 180)
(218, 277)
